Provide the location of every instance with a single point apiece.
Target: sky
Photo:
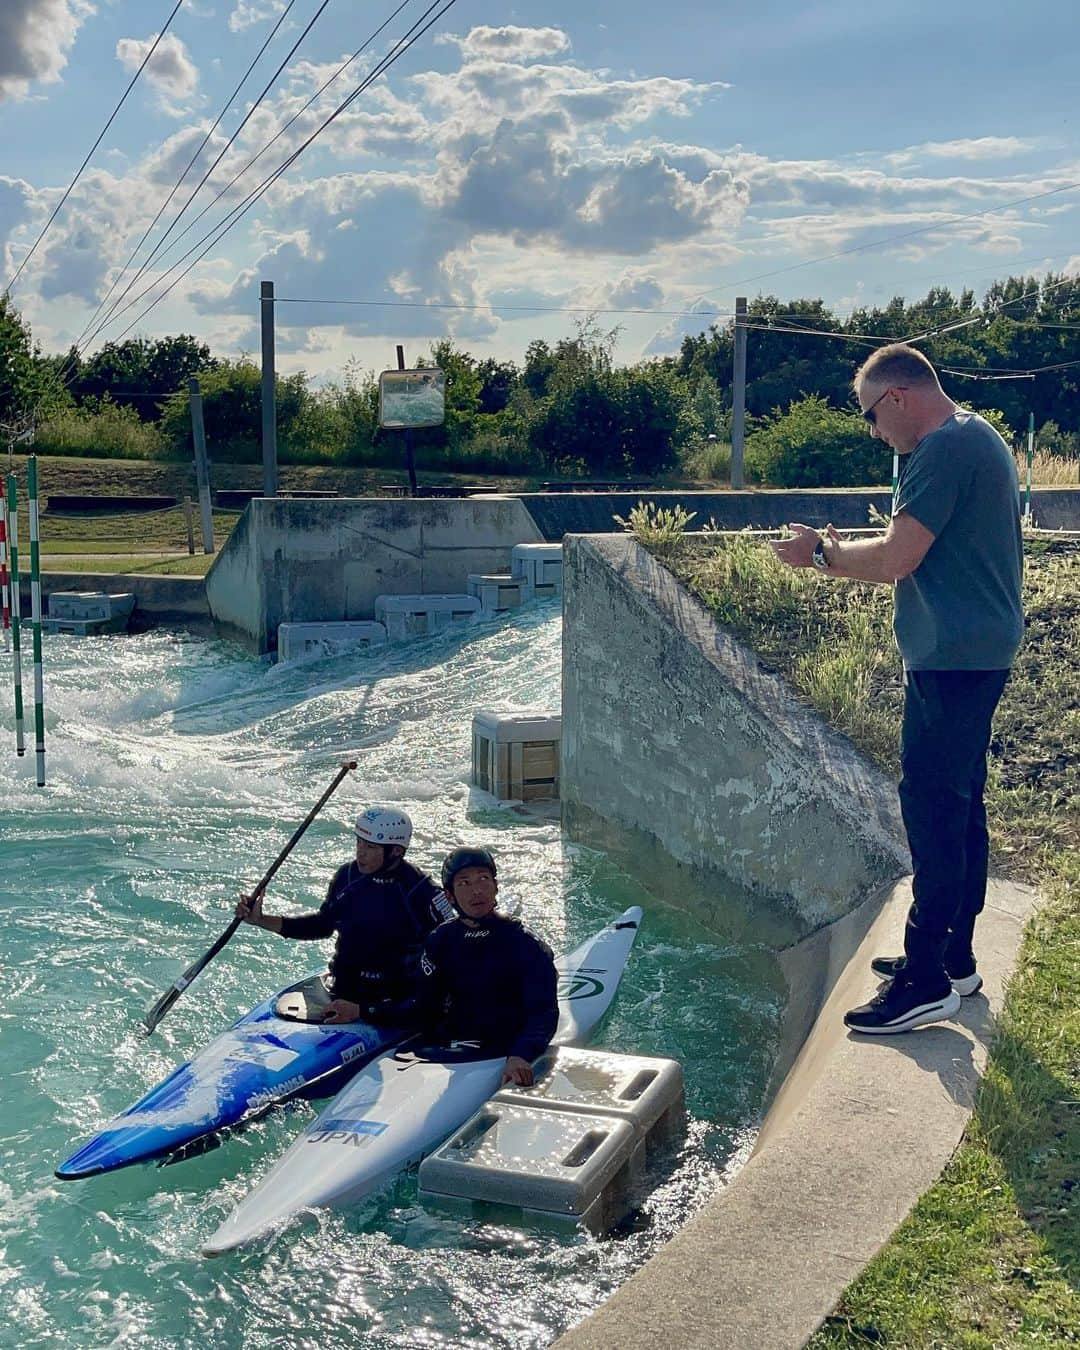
(519, 166)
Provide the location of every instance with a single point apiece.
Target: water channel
(178, 766)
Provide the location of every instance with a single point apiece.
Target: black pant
(947, 716)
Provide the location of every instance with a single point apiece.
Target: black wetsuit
(494, 984)
(381, 922)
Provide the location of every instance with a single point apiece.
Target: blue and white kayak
(261, 1060)
(406, 1102)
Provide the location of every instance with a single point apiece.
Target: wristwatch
(818, 557)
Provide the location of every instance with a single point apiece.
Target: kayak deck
(261, 1060)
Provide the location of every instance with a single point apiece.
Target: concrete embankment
(675, 735)
(297, 560)
(678, 742)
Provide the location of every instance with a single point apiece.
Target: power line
(239, 211)
(529, 309)
(115, 313)
(101, 137)
(247, 117)
(176, 187)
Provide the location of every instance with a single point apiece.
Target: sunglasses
(869, 415)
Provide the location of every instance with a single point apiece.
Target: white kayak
(404, 1104)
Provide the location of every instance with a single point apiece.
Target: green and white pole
(35, 617)
(16, 609)
(1030, 458)
(895, 477)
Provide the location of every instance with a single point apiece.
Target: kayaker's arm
(539, 982)
(249, 908)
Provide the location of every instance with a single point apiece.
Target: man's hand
(341, 1010)
(518, 1070)
(798, 551)
(249, 908)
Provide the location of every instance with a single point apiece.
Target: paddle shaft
(166, 1001)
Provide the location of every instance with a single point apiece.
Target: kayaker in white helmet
(381, 909)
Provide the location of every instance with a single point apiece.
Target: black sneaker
(966, 981)
(902, 1006)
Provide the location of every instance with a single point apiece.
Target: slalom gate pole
(5, 598)
(35, 617)
(16, 646)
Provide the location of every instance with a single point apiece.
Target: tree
(28, 381)
(142, 373)
(814, 445)
(232, 412)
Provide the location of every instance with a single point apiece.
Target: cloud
(509, 43)
(170, 70)
(35, 38)
(249, 12)
(972, 148)
(16, 204)
(669, 339)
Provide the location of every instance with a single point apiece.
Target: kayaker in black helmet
(381, 908)
(484, 977)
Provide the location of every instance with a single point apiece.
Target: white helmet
(384, 825)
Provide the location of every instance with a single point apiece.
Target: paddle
(165, 1002)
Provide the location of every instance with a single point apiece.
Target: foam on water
(178, 767)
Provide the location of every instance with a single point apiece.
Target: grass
(1048, 470)
(990, 1256)
(178, 565)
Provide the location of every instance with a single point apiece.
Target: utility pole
(738, 395)
(269, 409)
(409, 461)
(202, 467)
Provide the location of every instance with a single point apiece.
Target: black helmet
(459, 859)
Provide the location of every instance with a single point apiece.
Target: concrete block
(516, 755)
(85, 613)
(569, 1165)
(89, 605)
(498, 591)
(409, 616)
(645, 1092)
(540, 566)
(297, 641)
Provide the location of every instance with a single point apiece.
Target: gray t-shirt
(960, 609)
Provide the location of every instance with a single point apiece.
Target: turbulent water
(177, 768)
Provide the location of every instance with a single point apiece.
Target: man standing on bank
(954, 551)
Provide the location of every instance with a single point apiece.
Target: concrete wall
(675, 736)
(157, 599)
(295, 560)
(561, 513)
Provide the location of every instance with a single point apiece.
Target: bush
(814, 445)
(99, 430)
(709, 461)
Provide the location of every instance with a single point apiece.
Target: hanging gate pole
(5, 595)
(35, 617)
(16, 646)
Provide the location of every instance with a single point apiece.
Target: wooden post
(410, 463)
(269, 408)
(738, 395)
(189, 521)
(202, 465)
